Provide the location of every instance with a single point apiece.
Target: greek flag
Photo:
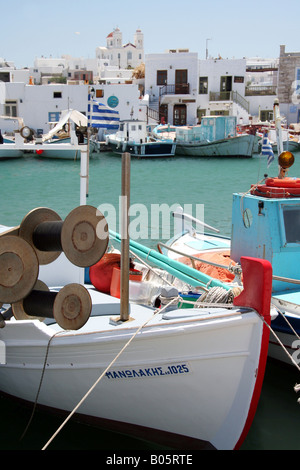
(103, 116)
(266, 149)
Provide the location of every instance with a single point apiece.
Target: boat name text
(148, 372)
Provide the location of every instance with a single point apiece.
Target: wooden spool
(81, 243)
(70, 307)
(76, 236)
(19, 269)
(30, 224)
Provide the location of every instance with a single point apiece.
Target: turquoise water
(29, 183)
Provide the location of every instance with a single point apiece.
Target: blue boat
(133, 137)
(216, 136)
(265, 224)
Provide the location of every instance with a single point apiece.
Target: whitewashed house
(41, 105)
(171, 82)
(183, 89)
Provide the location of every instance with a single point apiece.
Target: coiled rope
(217, 295)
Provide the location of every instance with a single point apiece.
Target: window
(129, 55)
(53, 117)
(57, 94)
(238, 79)
(203, 85)
(291, 217)
(162, 77)
(266, 115)
(99, 93)
(11, 108)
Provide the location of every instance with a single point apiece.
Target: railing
(177, 89)
(153, 114)
(261, 91)
(229, 96)
(220, 96)
(239, 99)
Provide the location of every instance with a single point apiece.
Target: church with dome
(117, 54)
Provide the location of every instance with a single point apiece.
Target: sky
(231, 28)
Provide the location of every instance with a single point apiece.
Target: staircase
(153, 110)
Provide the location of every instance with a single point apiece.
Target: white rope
(217, 295)
(105, 371)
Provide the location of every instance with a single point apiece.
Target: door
(181, 82)
(179, 117)
(163, 113)
(225, 87)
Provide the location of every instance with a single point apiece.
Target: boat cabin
(212, 128)
(133, 131)
(268, 228)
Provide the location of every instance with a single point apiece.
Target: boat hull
(146, 150)
(65, 152)
(188, 382)
(240, 146)
(8, 151)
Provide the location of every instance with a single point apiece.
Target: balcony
(260, 90)
(177, 89)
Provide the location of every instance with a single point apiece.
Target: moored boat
(265, 225)
(216, 136)
(167, 361)
(133, 137)
(75, 349)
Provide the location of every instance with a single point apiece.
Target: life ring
(283, 182)
(271, 190)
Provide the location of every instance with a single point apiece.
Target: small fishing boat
(154, 372)
(8, 148)
(133, 137)
(265, 224)
(216, 136)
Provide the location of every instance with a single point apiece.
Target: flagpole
(85, 158)
(278, 128)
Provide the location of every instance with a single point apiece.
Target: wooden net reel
(70, 307)
(76, 236)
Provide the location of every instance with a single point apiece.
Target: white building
(171, 81)
(9, 73)
(183, 89)
(41, 105)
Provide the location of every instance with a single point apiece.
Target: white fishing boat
(155, 373)
(8, 148)
(167, 362)
(134, 138)
(216, 136)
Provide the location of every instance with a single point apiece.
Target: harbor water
(33, 182)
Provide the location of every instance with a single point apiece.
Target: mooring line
(159, 310)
